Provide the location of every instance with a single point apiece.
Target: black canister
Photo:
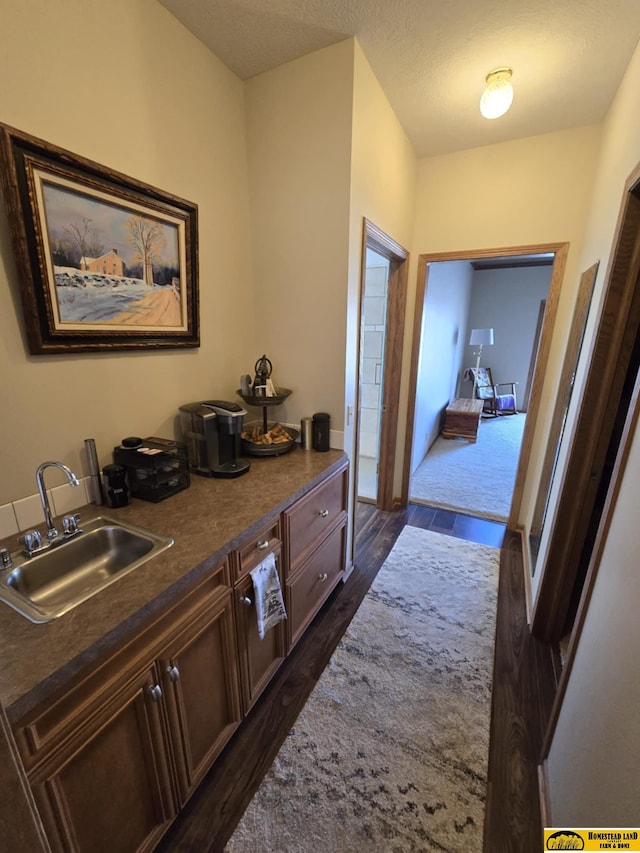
(321, 427)
(115, 485)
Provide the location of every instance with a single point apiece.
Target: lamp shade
(498, 94)
(481, 337)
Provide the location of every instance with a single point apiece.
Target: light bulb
(498, 95)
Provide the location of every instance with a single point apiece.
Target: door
(200, 683)
(259, 658)
(110, 791)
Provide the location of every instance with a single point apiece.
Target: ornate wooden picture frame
(104, 261)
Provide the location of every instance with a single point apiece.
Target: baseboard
(347, 572)
(526, 563)
(543, 793)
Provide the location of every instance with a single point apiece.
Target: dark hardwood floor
(522, 695)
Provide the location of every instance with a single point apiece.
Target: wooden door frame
(617, 325)
(376, 239)
(563, 395)
(624, 448)
(560, 250)
(542, 310)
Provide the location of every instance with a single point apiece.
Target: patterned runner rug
(390, 752)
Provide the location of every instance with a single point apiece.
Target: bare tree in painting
(148, 240)
(84, 238)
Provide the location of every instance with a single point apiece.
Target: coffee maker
(211, 430)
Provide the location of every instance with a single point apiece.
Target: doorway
(373, 322)
(559, 251)
(501, 297)
(381, 348)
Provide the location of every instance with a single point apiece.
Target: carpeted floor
(475, 478)
(390, 752)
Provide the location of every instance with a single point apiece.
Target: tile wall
(27, 512)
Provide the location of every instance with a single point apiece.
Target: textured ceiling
(431, 56)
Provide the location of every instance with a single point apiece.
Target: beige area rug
(390, 752)
(476, 478)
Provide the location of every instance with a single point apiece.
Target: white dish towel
(268, 595)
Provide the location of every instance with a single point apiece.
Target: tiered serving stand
(266, 403)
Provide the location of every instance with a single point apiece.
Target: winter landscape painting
(109, 264)
(106, 261)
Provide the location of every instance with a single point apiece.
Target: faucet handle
(32, 541)
(70, 523)
(5, 559)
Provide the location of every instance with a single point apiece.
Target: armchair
(494, 403)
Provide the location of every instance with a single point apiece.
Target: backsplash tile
(29, 511)
(8, 522)
(66, 498)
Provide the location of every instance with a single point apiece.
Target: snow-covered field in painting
(85, 297)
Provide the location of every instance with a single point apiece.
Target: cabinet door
(200, 680)
(259, 659)
(109, 790)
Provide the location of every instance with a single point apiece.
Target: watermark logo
(592, 839)
(564, 839)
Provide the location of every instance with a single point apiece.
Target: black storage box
(157, 469)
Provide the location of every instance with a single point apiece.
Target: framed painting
(104, 261)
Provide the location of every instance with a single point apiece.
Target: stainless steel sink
(50, 583)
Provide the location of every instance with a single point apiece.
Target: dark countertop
(207, 520)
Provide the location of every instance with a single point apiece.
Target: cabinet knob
(244, 599)
(173, 672)
(323, 513)
(322, 578)
(262, 545)
(155, 692)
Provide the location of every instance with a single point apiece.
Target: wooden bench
(462, 417)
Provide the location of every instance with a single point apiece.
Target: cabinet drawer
(313, 583)
(256, 549)
(310, 517)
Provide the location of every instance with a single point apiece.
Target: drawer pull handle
(322, 578)
(244, 599)
(155, 692)
(174, 673)
(323, 513)
(263, 545)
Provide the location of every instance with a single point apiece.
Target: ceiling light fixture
(498, 95)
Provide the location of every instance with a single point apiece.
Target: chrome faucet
(52, 533)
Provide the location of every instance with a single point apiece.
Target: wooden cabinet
(199, 680)
(109, 788)
(112, 761)
(259, 658)
(117, 752)
(315, 542)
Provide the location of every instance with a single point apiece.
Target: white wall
(595, 752)
(299, 119)
(444, 323)
(383, 184)
(507, 300)
(178, 124)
